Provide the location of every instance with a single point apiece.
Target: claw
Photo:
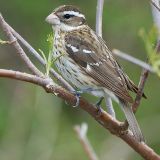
(78, 95)
(77, 100)
(98, 103)
(99, 111)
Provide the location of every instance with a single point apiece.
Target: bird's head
(66, 18)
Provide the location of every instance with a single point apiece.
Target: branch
(155, 4)
(132, 59)
(111, 124)
(59, 78)
(81, 132)
(156, 17)
(145, 71)
(143, 78)
(25, 77)
(104, 118)
(99, 15)
(18, 48)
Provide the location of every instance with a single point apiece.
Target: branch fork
(38, 78)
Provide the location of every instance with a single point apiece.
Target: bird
(84, 60)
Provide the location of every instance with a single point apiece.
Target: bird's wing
(93, 56)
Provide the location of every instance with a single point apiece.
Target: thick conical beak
(53, 19)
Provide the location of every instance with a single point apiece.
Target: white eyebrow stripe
(74, 13)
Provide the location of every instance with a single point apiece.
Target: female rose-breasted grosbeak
(88, 64)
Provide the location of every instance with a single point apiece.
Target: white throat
(66, 28)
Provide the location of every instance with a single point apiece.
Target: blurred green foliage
(48, 58)
(150, 41)
(35, 125)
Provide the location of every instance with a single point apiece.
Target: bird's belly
(75, 75)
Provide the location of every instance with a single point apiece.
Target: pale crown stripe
(74, 13)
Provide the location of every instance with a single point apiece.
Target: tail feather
(133, 124)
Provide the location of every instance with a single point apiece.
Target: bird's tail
(133, 124)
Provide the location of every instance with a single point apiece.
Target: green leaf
(150, 41)
(4, 42)
(49, 58)
(50, 53)
(43, 55)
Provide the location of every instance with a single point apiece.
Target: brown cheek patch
(75, 21)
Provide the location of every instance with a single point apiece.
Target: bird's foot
(110, 108)
(78, 93)
(123, 128)
(98, 105)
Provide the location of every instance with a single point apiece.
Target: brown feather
(107, 73)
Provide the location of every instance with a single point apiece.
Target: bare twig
(18, 48)
(145, 71)
(104, 119)
(141, 84)
(156, 4)
(82, 135)
(64, 83)
(99, 15)
(25, 77)
(132, 59)
(156, 17)
(125, 56)
(156, 13)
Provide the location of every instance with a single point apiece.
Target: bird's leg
(98, 103)
(109, 106)
(78, 93)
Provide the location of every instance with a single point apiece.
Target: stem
(81, 132)
(59, 78)
(18, 48)
(104, 118)
(99, 15)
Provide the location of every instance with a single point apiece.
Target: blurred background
(35, 125)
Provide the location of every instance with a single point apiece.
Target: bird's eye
(67, 16)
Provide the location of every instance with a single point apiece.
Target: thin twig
(99, 15)
(155, 4)
(18, 48)
(104, 119)
(25, 77)
(64, 83)
(156, 17)
(142, 81)
(81, 132)
(132, 59)
(145, 71)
